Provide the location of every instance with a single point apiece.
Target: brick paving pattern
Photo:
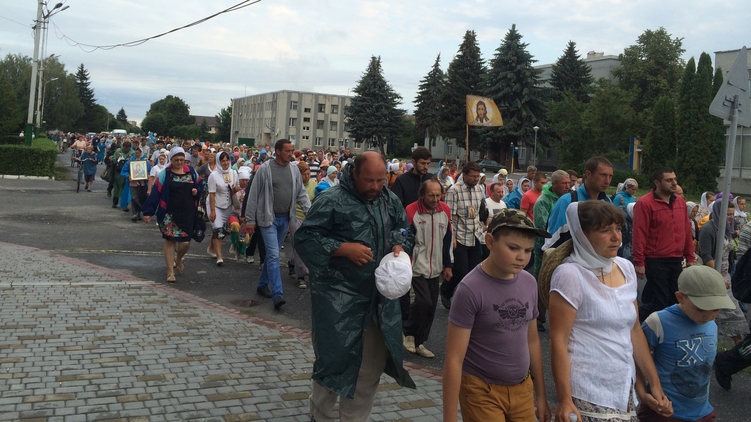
(84, 343)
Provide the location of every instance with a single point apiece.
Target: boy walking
(493, 355)
(684, 339)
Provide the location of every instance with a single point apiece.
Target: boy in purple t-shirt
(493, 355)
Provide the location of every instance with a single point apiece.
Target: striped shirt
(464, 203)
(315, 168)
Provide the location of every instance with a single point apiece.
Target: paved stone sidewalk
(83, 343)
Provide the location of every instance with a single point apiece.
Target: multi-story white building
(310, 120)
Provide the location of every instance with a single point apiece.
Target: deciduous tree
(659, 146)
(224, 124)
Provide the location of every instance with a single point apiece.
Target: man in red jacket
(661, 239)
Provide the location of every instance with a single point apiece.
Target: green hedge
(11, 140)
(620, 175)
(37, 160)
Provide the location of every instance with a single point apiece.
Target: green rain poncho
(344, 296)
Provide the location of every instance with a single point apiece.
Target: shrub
(36, 160)
(620, 175)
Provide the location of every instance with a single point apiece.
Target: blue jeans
(273, 237)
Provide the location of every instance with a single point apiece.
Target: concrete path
(79, 342)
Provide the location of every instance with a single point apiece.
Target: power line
(92, 48)
(22, 24)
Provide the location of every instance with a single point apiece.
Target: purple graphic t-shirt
(498, 312)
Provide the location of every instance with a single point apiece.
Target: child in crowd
(493, 353)
(684, 340)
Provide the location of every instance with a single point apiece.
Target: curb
(22, 177)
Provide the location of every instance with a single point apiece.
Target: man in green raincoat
(357, 332)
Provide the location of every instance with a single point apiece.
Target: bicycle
(80, 180)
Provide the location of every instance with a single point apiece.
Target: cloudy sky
(325, 45)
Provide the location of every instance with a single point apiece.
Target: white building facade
(310, 120)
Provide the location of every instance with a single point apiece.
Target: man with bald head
(357, 332)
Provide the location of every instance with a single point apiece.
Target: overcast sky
(325, 45)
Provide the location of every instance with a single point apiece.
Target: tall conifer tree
(514, 86)
(373, 114)
(571, 73)
(465, 76)
(428, 101)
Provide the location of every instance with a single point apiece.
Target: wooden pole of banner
(466, 144)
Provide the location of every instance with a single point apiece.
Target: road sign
(736, 83)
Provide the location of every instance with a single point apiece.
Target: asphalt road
(51, 215)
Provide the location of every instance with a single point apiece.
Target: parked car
(490, 166)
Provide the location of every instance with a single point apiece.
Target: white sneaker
(211, 254)
(250, 260)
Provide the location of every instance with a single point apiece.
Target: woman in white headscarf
(740, 218)
(223, 184)
(596, 340)
(706, 200)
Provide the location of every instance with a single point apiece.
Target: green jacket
(344, 297)
(542, 209)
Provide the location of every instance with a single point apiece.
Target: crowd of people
(505, 257)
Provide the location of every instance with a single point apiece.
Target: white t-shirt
(493, 209)
(156, 169)
(219, 184)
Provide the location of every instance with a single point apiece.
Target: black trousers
(466, 258)
(662, 283)
(422, 310)
(256, 240)
(137, 198)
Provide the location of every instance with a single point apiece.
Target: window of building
(333, 126)
(449, 149)
(334, 109)
(306, 110)
(293, 105)
(319, 124)
(332, 142)
(319, 141)
(305, 128)
(305, 138)
(358, 144)
(292, 138)
(522, 153)
(292, 122)
(321, 108)
(306, 119)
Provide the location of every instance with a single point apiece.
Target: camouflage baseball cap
(510, 217)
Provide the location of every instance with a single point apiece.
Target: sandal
(181, 267)
(171, 278)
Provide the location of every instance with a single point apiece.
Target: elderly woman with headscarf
(330, 180)
(730, 322)
(514, 199)
(624, 195)
(159, 165)
(445, 179)
(174, 200)
(598, 348)
(740, 218)
(693, 209)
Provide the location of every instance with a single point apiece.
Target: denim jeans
(273, 238)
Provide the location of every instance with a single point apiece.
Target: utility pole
(34, 76)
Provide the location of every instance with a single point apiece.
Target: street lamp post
(536, 128)
(41, 107)
(38, 26)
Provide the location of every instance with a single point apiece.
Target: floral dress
(177, 225)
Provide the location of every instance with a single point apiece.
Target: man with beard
(357, 332)
(466, 200)
(407, 186)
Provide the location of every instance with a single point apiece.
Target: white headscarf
(738, 212)
(704, 201)
(584, 254)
